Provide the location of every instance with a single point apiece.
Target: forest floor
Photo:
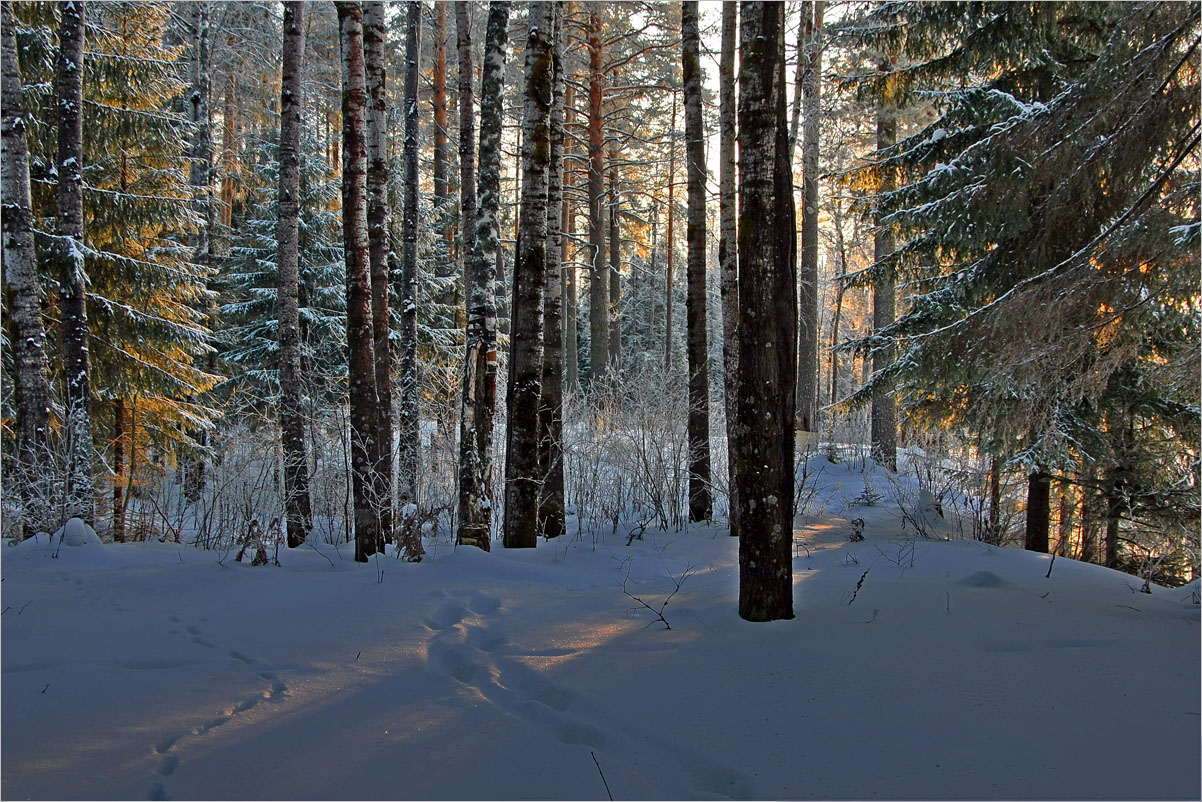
(915, 669)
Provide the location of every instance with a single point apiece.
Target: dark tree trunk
(361, 370)
(1039, 484)
(375, 35)
(571, 363)
(728, 253)
(31, 385)
(522, 479)
(807, 349)
(1116, 505)
(614, 346)
(480, 361)
(995, 497)
(700, 503)
(550, 457)
(297, 508)
(768, 321)
(70, 261)
(884, 304)
(669, 300)
(408, 434)
(443, 210)
(467, 145)
(598, 299)
(120, 440)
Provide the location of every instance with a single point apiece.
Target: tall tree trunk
(550, 457)
(571, 363)
(598, 299)
(728, 253)
(361, 370)
(297, 508)
(768, 320)
(1039, 484)
(522, 477)
(807, 348)
(840, 290)
(31, 385)
(438, 104)
(467, 145)
(480, 359)
(669, 353)
(799, 77)
(614, 346)
(884, 304)
(700, 503)
(375, 36)
(408, 435)
(70, 259)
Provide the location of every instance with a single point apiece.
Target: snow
(915, 668)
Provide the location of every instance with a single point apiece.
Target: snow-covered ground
(914, 669)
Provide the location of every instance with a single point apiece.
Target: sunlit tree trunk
(361, 366)
(807, 348)
(598, 299)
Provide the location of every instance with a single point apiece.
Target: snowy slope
(956, 670)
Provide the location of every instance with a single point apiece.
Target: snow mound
(984, 579)
(75, 533)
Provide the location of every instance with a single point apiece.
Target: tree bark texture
(807, 342)
(768, 320)
(669, 295)
(522, 477)
(68, 252)
(884, 304)
(571, 363)
(467, 145)
(700, 502)
(408, 435)
(614, 307)
(31, 378)
(728, 247)
(480, 360)
(361, 370)
(375, 35)
(297, 508)
(598, 299)
(550, 426)
(444, 214)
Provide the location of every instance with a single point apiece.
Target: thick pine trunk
(297, 509)
(700, 503)
(480, 360)
(1039, 485)
(522, 479)
(550, 456)
(598, 298)
(361, 357)
(31, 385)
(807, 343)
(408, 436)
(768, 321)
(375, 36)
(728, 253)
(69, 257)
(884, 304)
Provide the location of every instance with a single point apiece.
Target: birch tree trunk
(550, 455)
(297, 507)
(700, 503)
(68, 253)
(728, 254)
(598, 297)
(31, 385)
(375, 35)
(361, 354)
(807, 343)
(408, 435)
(768, 321)
(480, 360)
(522, 479)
